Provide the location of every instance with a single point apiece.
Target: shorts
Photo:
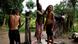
(14, 36)
(49, 30)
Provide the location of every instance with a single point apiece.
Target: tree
(59, 8)
(30, 5)
(7, 5)
(76, 10)
(70, 14)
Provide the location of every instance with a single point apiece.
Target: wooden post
(27, 29)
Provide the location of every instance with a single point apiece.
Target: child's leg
(47, 39)
(17, 37)
(40, 35)
(41, 26)
(11, 37)
(51, 38)
(40, 32)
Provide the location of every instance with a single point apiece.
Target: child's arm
(39, 12)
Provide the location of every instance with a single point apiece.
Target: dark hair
(14, 11)
(48, 7)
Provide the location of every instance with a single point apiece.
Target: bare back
(14, 21)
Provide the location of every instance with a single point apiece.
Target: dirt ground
(5, 40)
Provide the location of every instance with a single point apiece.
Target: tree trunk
(3, 25)
(4, 20)
(27, 29)
(70, 20)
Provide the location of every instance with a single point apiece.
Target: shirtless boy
(14, 24)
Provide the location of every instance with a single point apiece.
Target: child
(50, 22)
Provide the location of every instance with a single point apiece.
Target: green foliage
(73, 2)
(30, 4)
(33, 15)
(59, 8)
(32, 22)
(76, 26)
(22, 29)
(6, 5)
